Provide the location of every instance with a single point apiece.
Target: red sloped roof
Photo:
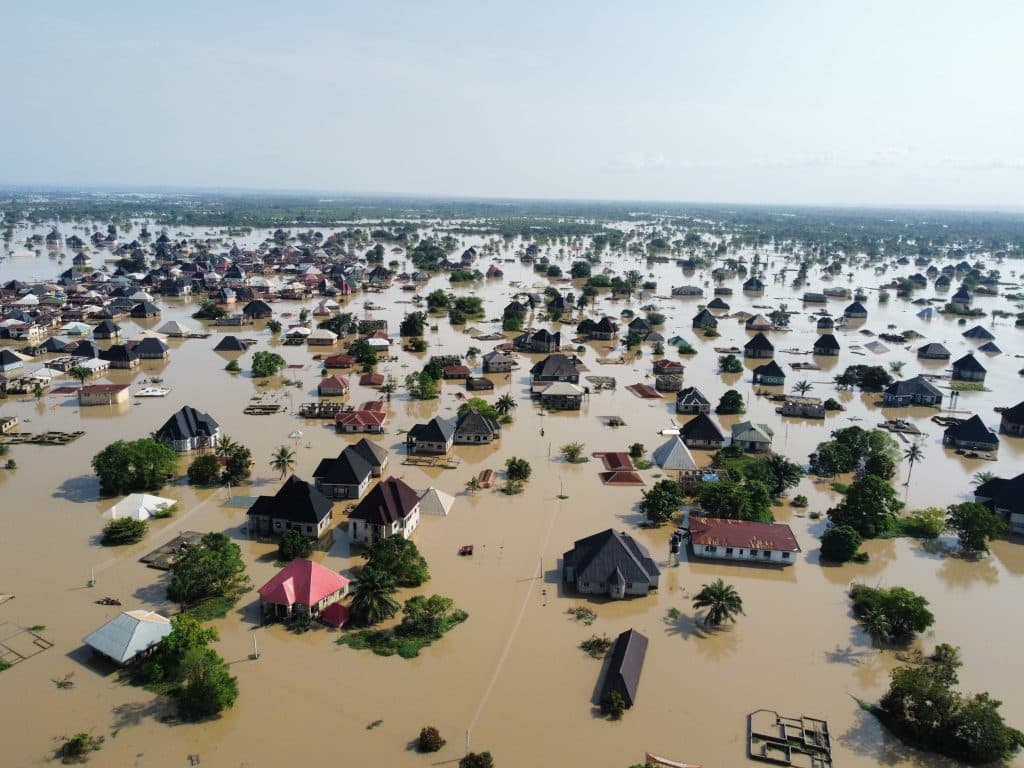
(302, 581)
(742, 533)
(335, 615)
(361, 418)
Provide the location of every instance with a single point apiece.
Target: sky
(868, 103)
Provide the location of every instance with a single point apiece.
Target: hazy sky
(803, 102)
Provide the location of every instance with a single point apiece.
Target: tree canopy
(131, 466)
(869, 507)
(400, 558)
(211, 568)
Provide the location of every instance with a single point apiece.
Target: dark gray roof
(472, 422)
(187, 424)
(598, 557)
(769, 369)
(933, 349)
(760, 341)
(1004, 493)
(627, 661)
(231, 344)
(915, 386)
(373, 454)
(691, 395)
(973, 431)
(437, 430)
(717, 303)
(701, 427)
(555, 365)
(977, 332)
(349, 468)
(390, 500)
(118, 353)
(826, 341)
(297, 501)
(968, 363)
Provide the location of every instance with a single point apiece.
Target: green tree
(661, 502)
(266, 364)
(413, 324)
(140, 465)
(518, 470)
(165, 664)
(729, 364)
(839, 544)
(438, 301)
(371, 598)
(905, 612)
(912, 454)
(292, 545)
(207, 685)
(477, 760)
(239, 465)
(123, 530)
(400, 558)
(425, 616)
(721, 601)
(925, 523)
(777, 472)
(211, 568)
(637, 451)
(283, 460)
(429, 740)
(204, 469)
(802, 387)
(975, 525)
(734, 500)
(479, 405)
(880, 465)
(613, 705)
(224, 446)
(731, 402)
(505, 405)
(869, 507)
(572, 451)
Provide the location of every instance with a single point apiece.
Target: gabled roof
(296, 501)
(968, 363)
(855, 309)
(1014, 414)
(691, 395)
(475, 423)
(933, 349)
(302, 582)
(231, 344)
(373, 454)
(349, 468)
(562, 388)
(742, 533)
(1004, 493)
(436, 502)
(390, 501)
(128, 634)
(748, 431)
(627, 661)
(555, 364)
(918, 385)
(826, 341)
(973, 430)
(597, 557)
(437, 430)
(187, 424)
(674, 455)
(718, 303)
(760, 342)
(701, 427)
(977, 332)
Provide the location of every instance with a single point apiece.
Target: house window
(766, 553)
(753, 553)
(785, 555)
(728, 550)
(741, 551)
(710, 549)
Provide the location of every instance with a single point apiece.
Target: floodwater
(511, 679)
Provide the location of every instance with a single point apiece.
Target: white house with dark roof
(189, 430)
(610, 563)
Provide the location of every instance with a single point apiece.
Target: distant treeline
(850, 230)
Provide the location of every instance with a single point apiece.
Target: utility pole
(255, 648)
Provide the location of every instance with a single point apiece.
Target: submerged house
(473, 428)
(297, 506)
(752, 437)
(971, 435)
(435, 437)
(374, 455)
(759, 347)
(556, 367)
(562, 396)
(1005, 497)
(497, 362)
(627, 661)
(392, 508)
(345, 477)
(301, 588)
(803, 407)
(1012, 421)
(967, 368)
(610, 563)
(932, 351)
(769, 374)
(827, 345)
(692, 400)
(915, 391)
(702, 432)
(743, 540)
(705, 320)
(189, 430)
(129, 636)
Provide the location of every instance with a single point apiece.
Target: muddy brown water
(512, 675)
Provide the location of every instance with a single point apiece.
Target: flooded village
(580, 418)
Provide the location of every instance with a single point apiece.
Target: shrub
(76, 749)
(840, 544)
(799, 501)
(204, 470)
(430, 740)
(613, 705)
(123, 530)
(925, 523)
(477, 760)
(831, 404)
(292, 545)
(897, 614)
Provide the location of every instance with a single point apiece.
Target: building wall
(1017, 430)
(743, 554)
(602, 588)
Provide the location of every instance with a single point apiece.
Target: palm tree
(473, 484)
(80, 373)
(224, 446)
(572, 451)
(802, 387)
(876, 623)
(371, 599)
(283, 460)
(912, 454)
(982, 477)
(721, 600)
(505, 404)
(896, 366)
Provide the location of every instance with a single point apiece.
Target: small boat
(108, 601)
(153, 392)
(466, 549)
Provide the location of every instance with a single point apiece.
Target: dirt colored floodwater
(511, 679)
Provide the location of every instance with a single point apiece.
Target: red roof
(742, 533)
(668, 366)
(621, 477)
(302, 581)
(372, 405)
(97, 388)
(333, 383)
(371, 379)
(360, 418)
(614, 460)
(644, 390)
(339, 361)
